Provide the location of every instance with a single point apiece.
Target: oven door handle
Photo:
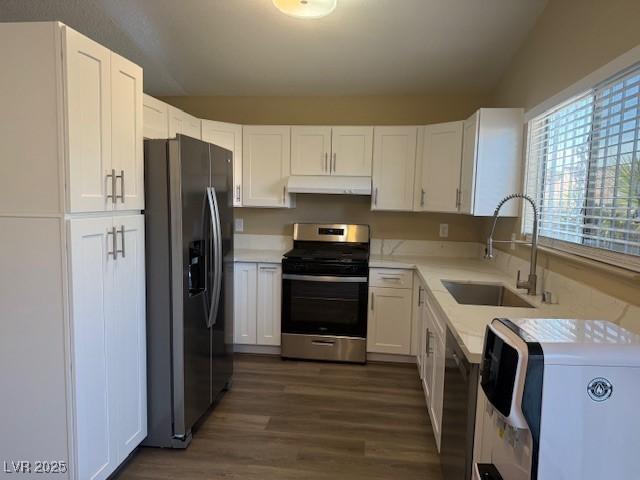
(324, 278)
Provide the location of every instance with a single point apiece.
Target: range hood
(329, 184)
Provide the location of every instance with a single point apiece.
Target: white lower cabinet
(257, 303)
(430, 359)
(389, 319)
(108, 340)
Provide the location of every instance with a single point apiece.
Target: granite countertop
(468, 322)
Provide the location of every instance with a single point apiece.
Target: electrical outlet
(513, 241)
(444, 230)
(239, 225)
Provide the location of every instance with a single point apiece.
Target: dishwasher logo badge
(600, 389)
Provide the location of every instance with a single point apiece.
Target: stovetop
(327, 252)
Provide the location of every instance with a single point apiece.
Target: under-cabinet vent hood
(330, 184)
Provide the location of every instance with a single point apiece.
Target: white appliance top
(583, 342)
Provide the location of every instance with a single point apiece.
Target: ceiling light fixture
(306, 8)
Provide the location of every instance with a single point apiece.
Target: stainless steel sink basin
(485, 294)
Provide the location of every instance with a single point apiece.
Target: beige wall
(390, 110)
(357, 209)
(571, 39)
(381, 110)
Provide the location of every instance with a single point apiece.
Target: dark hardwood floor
(305, 420)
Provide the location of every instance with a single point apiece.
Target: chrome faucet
(530, 283)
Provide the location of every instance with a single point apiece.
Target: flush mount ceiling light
(306, 8)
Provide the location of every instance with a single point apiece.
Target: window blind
(584, 171)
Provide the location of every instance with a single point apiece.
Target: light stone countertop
(468, 322)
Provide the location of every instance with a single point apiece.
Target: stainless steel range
(325, 280)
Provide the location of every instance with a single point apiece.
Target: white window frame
(621, 63)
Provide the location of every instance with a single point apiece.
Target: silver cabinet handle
(419, 296)
(121, 232)
(372, 300)
(112, 175)
(458, 198)
(238, 193)
(114, 252)
(121, 177)
(427, 346)
(375, 196)
(284, 194)
(326, 161)
(335, 161)
(268, 268)
(422, 197)
(395, 279)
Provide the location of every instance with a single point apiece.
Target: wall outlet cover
(444, 230)
(239, 225)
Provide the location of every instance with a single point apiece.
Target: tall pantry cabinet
(72, 283)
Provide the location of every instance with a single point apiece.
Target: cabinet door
(352, 149)
(269, 303)
(92, 266)
(437, 385)
(176, 121)
(438, 168)
(394, 158)
(155, 118)
(191, 126)
(129, 336)
(229, 136)
(427, 353)
(310, 150)
(87, 83)
(389, 324)
(244, 308)
(468, 165)
(126, 134)
(266, 160)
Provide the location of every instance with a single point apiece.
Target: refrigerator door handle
(216, 261)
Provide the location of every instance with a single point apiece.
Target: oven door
(324, 305)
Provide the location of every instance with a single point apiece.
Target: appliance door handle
(324, 278)
(323, 343)
(460, 365)
(216, 261)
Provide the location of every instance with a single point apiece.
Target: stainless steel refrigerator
(189, 248)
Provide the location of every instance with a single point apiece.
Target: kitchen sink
(485, 294)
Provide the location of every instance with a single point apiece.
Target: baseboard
(259, 349)
(390, 358)
(371, 357)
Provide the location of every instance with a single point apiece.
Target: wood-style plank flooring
(305, 420)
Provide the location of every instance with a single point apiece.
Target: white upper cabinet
(341, 151)
(103, 94)
(438, 168)
(229, 136)
(87, 83)
(491, 161)
(352, 151)
(266, 163)
(127, 154)
(310, 150)
(181, 123)
(394, 158)
(155, 117)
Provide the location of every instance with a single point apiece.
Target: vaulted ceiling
(247, 47)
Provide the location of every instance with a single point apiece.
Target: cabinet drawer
(391, 277)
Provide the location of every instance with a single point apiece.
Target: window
(584, 172)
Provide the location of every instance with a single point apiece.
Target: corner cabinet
(491, 161)
(73, 262)
(266, 166)
(184, 124)
(394, 158)
(437, 177)
(257, 303)
(229, 136)
(155, 116)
